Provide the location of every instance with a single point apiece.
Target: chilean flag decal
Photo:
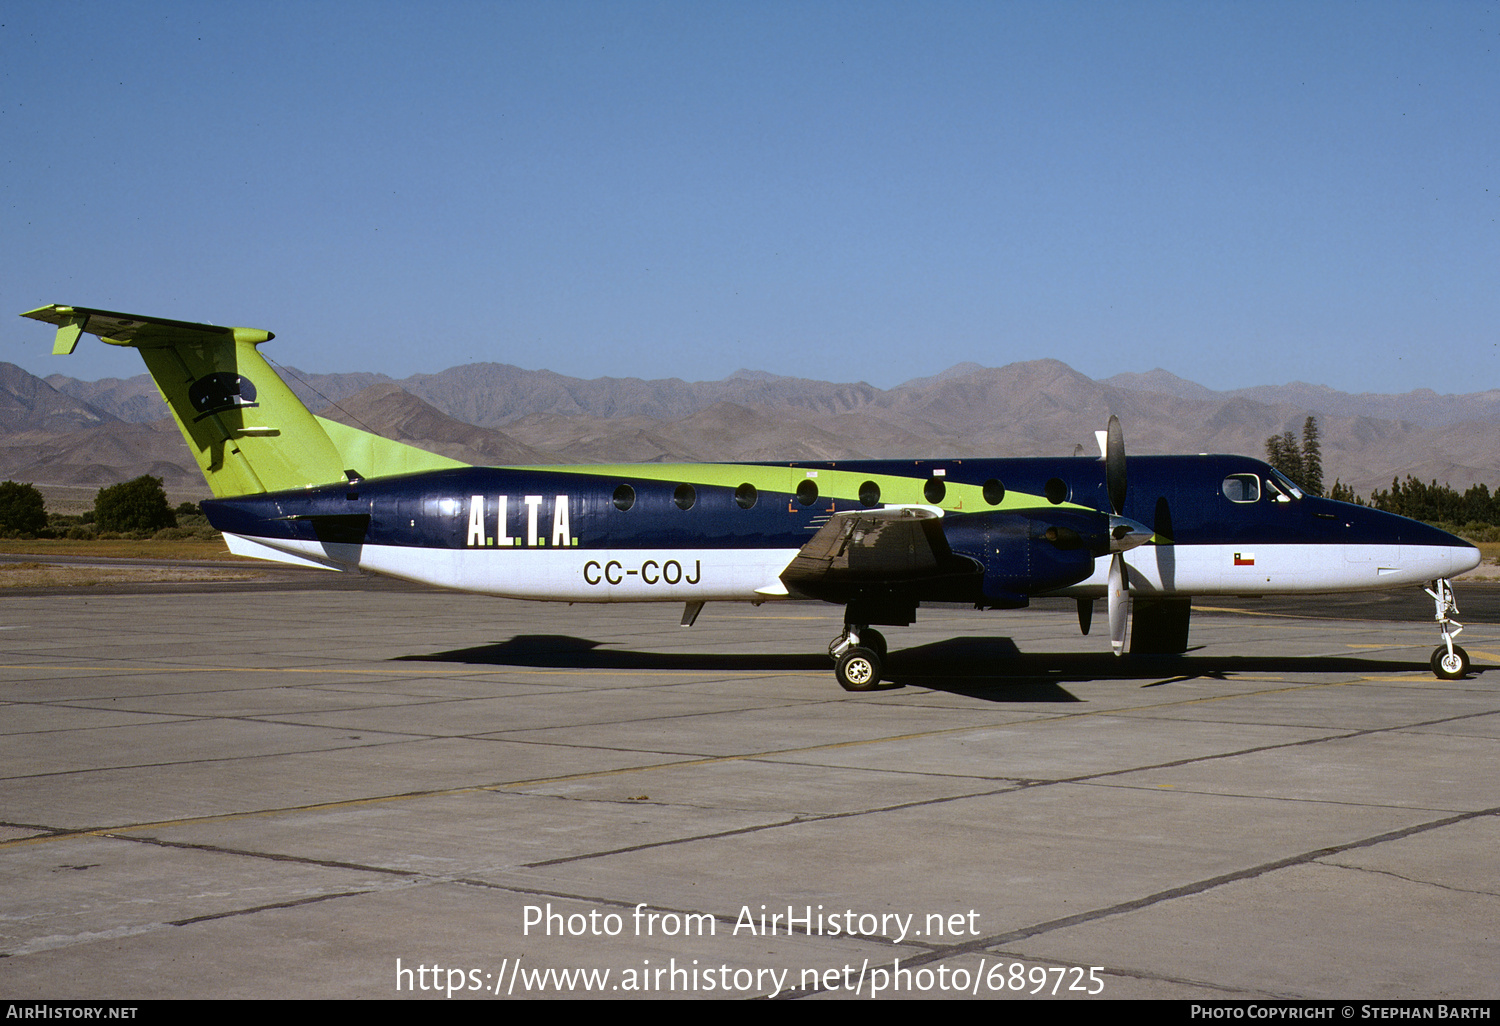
(1244, 559)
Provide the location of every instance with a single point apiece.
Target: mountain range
(70, 437)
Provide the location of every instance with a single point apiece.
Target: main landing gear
(1449, 662)
(859, 657)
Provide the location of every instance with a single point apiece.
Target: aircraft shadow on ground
(989, 668)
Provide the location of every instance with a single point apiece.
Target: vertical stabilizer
(246, 429)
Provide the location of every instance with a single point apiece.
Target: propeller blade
(1119, 603)
(1114, 465)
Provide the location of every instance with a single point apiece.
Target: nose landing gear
(1449, 661)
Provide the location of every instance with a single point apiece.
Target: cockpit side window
(1280, 482)
(1242, 488)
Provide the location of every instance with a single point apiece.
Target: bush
(135, 506)
(22, 510)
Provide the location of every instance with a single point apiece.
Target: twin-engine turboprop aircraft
(877, 537)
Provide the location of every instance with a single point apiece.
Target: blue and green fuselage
(716, 532)
(877, 536)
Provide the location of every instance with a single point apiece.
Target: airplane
(879, 537)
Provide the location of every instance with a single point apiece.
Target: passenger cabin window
(869, 494)
(685, 496)
(934, 490)
(807, 491)
(1242, 488)
(624, 497)
(745, 495)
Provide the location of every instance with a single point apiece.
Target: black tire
(1446, 668)
(858, 670)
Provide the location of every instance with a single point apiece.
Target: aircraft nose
(1441, 560)
(1463, 557)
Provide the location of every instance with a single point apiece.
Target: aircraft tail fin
(247, 430)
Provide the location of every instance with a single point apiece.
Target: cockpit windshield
(1285, 485)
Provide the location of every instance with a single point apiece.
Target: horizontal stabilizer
(133, 330)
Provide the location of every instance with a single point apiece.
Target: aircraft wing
(871, 548)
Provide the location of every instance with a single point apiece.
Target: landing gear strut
(1449, 662)
(859, 657)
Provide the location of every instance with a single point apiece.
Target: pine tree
(1302, 463)
(1312, 459)
(1343, 493)
(1283, 454)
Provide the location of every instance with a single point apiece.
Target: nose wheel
(1449, 661)
(1450, 665)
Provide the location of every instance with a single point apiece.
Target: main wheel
(1450, 667)
(858, 670)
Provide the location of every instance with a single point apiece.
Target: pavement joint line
(231, 913)
(215, 849)
(1289, 799)
(52, 945)
(1364, 732)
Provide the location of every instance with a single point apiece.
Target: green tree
(22, 509)
(139, 505)
(1283, 454)
(1312, 458)
(1343, 493)
(1302, 463)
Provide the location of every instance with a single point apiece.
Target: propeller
(1123, 534)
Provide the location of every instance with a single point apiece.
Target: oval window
(994, 492)
(624, 497)
(934, 490)
(685, 496)
(807, 491)
(869, 494)
(1056, 491)
(745, 495)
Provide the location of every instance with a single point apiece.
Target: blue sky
(1242, 193)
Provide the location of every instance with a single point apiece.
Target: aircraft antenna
(284, 371)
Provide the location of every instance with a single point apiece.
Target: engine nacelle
(1029, 551)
